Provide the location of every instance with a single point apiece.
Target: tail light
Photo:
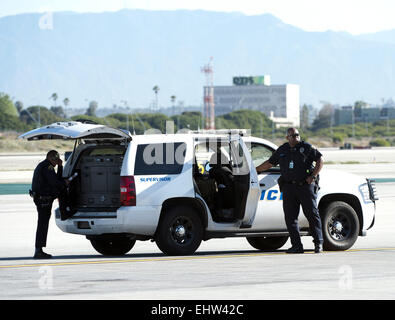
(128, 191)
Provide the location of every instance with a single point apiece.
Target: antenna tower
(209, 95)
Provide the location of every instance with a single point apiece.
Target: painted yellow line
(178, 258)
(138, 260)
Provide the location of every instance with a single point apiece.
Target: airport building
(281, 103)
(349, 114)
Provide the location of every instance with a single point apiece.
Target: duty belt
(40, 197)
(46, 198)
(299, 183)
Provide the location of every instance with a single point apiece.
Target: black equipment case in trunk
(100, 181)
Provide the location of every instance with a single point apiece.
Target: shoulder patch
(50, 167)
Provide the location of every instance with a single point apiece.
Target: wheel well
(347, 198)
(196, 204)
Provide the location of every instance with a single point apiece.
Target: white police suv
(180, 189)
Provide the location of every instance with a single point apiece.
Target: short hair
(290, 129)
(53, 155)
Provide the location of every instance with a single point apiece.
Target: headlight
(364, 190)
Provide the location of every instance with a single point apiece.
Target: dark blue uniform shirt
(46, 182)
(296, 163)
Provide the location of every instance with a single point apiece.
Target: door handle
(262, 184)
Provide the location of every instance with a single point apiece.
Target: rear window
(160, 158)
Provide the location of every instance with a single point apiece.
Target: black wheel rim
(182, 231)
(339, 226)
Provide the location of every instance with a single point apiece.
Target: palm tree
(156, 90)
(173, 99)
(54, 97)
(66, 102)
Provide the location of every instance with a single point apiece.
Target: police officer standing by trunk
(46, 187)
(299, 184)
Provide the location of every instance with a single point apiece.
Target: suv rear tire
(113, 247)
(267, 243)
(180, 231)
(340, 226)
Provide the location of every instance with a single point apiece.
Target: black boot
(317, 247)
(295, 250)
(40, 254)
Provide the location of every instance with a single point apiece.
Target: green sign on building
(257, 80)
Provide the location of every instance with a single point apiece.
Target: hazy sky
(353, 16)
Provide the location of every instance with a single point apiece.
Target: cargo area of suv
(96, 159)
(97, 186)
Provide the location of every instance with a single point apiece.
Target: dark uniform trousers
(304, 195)
(46, 187)
(44, 207)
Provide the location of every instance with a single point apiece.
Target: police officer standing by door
(46, 187)
(299, 184)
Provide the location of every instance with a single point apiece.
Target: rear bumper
(133, 220)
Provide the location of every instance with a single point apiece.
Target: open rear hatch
(97, 186)
(73, 130)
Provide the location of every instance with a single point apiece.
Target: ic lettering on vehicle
(271, 195)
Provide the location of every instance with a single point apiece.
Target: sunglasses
(294, 135)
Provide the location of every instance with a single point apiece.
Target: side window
(239, 161)
(160, 158)
(204, 152)
(260, 153)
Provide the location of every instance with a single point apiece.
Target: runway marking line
(177, 258)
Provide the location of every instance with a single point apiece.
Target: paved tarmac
(221, 269)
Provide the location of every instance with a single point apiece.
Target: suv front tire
(340, 226)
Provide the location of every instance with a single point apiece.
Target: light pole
(156, 90)
(125, 103)
(353, 122)
(388, 124)
(272, 118)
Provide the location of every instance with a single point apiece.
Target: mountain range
(120, 56)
